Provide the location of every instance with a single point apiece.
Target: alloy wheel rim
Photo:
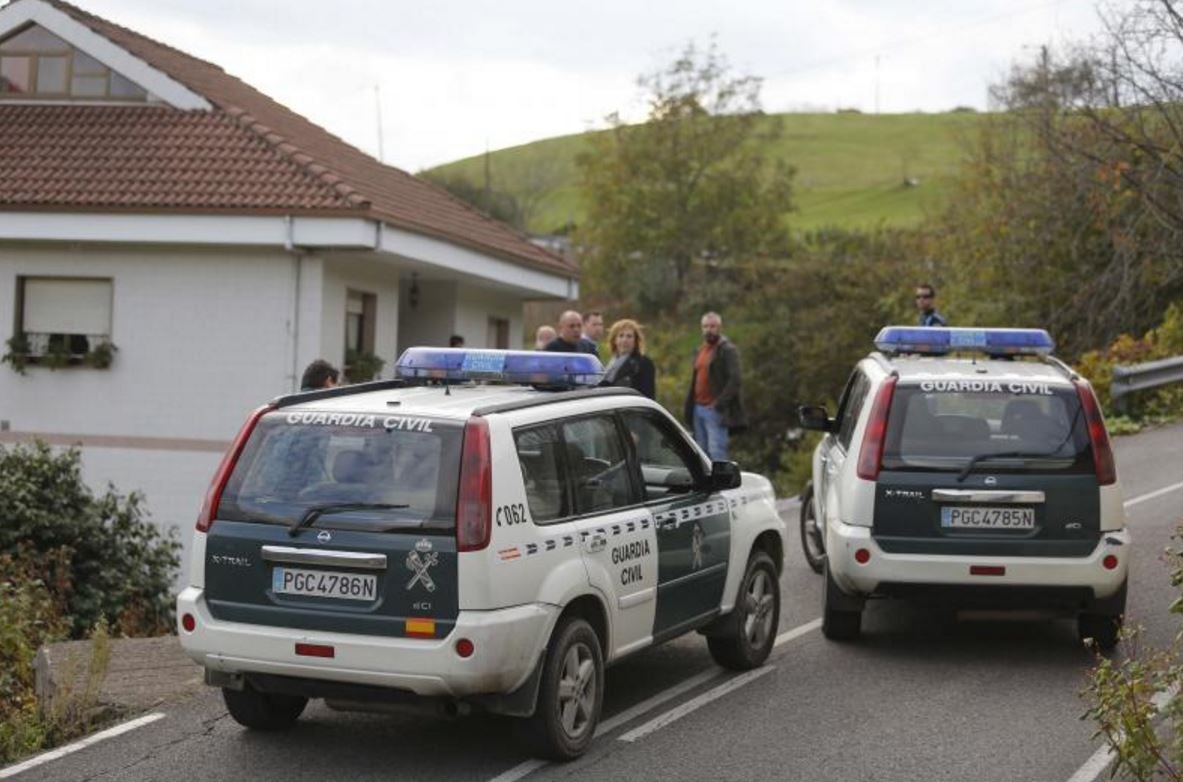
(813, 536)
(577, 690)
(759, 601)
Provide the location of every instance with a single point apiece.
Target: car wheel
(841, 619)
(263, 711)
(748, 640)
(1103, 623)
(812, 543)
(571, 693)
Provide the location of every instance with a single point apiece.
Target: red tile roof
(250, 153)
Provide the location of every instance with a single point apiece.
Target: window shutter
(66, 306)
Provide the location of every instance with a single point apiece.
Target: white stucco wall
(432, 320)
(203, 337)
(474, 307)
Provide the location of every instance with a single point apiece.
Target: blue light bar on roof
(528, 367)
(938, 341)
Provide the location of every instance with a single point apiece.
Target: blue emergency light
(505, 366)
(939, 341)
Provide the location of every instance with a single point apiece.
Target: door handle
(596, 542)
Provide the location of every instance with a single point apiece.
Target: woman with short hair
(629, 366)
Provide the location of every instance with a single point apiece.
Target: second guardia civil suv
(969, 467)
(450, 543)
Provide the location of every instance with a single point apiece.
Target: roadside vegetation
(72, 565)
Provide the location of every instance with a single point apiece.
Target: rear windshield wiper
(965, 471)
(314, 513)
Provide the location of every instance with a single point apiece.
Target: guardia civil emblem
(697, 538)
(419, 562)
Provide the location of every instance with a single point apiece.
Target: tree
(1070, 211)
(685, 194)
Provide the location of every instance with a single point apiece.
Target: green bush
(1143, 407)
(1134, 700)
(121, 567)
(30, 615)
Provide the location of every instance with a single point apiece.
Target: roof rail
(558, 396)
(1068, 371)
(884, 362)
(287, 400)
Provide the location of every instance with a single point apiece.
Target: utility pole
(378, 108)
(876, 83)
(488, 180)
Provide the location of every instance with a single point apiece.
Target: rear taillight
(870, 456)
(474, 500)
(213, 496)
(1102, 450)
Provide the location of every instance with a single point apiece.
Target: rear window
(1029, 426)
(297, 462)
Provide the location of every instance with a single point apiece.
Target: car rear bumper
(887, 573)
(508, 644)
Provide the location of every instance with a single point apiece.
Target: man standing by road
(593, 331)
(713, 405)
(926, 303)
(570, 335)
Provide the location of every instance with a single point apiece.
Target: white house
(219, 241)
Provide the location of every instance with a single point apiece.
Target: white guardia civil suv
(967, 467)
(443, 541)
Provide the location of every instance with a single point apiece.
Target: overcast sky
(456, 76)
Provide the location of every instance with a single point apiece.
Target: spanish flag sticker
(421, 628)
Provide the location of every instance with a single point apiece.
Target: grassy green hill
(851, 168)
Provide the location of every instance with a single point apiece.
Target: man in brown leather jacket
(713, 404)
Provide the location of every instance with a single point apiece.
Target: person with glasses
(926, 297)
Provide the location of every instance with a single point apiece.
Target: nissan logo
(991, 480)
(323, 536)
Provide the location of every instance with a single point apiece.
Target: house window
(35, 63)
(498, 333)
(63, 318)
(360, 309)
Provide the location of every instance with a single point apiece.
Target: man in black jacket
(570, 335)
(713, 404)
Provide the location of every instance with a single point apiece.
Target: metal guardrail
(1140, 377)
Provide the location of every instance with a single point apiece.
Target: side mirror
(815, 417)
(725, 475)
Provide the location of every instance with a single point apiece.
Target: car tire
(752, 624)
(841, 620)
(813, 543)
(263, 711)
(1103, 629)
(570, 695)
(1103, 623)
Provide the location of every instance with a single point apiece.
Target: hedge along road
(914, 699)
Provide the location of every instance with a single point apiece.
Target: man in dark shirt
(570, 330)
(926, 303)
(318, 375)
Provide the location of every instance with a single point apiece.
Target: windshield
(403, 468)
(1029, 426)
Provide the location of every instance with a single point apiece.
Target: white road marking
(647, 705)
(797, 632)
(678, 712)
(520, 770)
(1153, 494)
(12, 771)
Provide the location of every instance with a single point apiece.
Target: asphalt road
(917, 698)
